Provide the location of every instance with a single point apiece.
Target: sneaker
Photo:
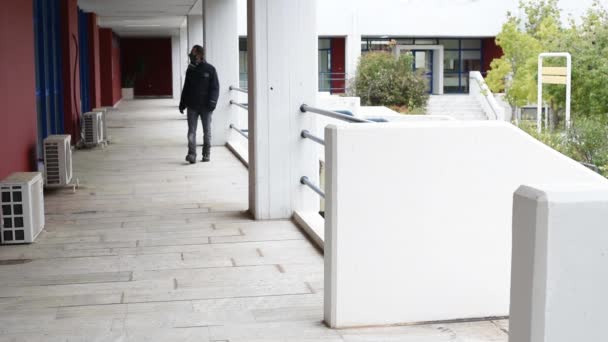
(206, 159)
(191, 159)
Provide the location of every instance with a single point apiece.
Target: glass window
(450, 44)
(324, 43)
(451, 61)
(364, 46)
(243, 67)
(451, 83)
(379, 45)
(405, 41)
(471, 61)
(426, 42)
(471, 43)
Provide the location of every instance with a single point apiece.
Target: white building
(463, 31)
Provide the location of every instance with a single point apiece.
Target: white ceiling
(141, 17)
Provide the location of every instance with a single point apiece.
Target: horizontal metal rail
(306, 134)
(306, 181)
(239, 131)
(306, 108)
(238, 89)
(240, 105)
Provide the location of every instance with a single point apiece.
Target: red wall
(490, 52)
(71, 67)
(109, 51)
(94, 72)
(338, 51)
(18, 117)
(149, 59)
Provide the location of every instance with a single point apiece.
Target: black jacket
(201, 88)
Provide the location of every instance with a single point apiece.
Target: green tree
(383, 80)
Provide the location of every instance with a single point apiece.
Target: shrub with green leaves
(384, 80)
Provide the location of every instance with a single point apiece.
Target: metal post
(539, 110)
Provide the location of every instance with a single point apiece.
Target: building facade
(464, 29)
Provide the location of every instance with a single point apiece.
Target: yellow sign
(555, 79)
(553, 71)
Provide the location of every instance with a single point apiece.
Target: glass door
(423, 62)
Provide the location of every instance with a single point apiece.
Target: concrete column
(195, 30)
(353, 47)
(438, 71)
(283, 75)
(176, 66)
(222, 51)
(184, 49)
(559, 262)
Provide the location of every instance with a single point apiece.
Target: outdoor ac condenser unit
(57, 161)
(93, 128)
(22, 202)
(104, 119)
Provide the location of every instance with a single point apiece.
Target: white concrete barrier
(560, 264)
(418, 217)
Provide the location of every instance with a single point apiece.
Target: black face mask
(193, 59)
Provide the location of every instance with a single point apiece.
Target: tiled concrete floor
(152, 249)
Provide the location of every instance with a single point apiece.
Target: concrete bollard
(559, 277)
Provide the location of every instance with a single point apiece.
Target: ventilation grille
(52, 167)
(89, 132)
(13, 224)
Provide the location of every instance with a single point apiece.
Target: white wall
(559, 277)
(418, 218)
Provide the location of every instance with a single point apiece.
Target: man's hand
(212, 105)
(182, 108)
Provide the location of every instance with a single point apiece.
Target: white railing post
(559, 264)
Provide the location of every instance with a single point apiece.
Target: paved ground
(151, 249)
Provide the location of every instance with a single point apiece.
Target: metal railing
(245, 106)
(306, 181)
(240, 131)
(238, 89)
(344, 117)
(306, 134)
(333, 82)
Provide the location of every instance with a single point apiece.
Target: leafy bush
(586, 141)
(383, 80)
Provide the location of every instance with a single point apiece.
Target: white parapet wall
(418, 217)
(560, 262)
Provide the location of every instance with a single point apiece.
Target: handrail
(241, 132)
(306, 134)
(306, 181)
(487, 94)
(306, 108)
(240, 105)
(238, 89)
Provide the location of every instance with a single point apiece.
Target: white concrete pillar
(184, 49)
(559, 263)
(283, 75)
(176, 66)
(195, 30)
(438, 56)
(353, 47)
(222, 51)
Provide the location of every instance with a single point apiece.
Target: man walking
(199, 97)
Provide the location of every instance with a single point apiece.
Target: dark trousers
(192, 125)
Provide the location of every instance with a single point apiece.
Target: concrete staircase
(460, 107)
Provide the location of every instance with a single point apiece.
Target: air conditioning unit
(93, 128)
(57, 161)
(22, 203)
(104, 118)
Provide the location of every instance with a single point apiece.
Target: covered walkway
(152, 249)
